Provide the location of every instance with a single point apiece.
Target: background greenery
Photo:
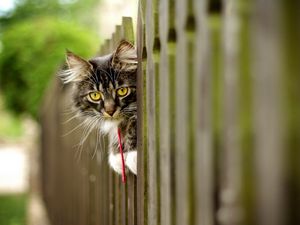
(13, 209)
(33, 40)
(32, 58)
(10, 125)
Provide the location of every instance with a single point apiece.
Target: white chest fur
(109, 126)
(115, 160)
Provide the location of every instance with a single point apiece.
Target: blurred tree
(71, 10)
(34, 36)
(32, 53)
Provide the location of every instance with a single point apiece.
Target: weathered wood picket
(219, 122)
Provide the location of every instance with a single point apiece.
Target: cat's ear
(124, 57)
(78, 68)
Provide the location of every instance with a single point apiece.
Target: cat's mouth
(111, 115)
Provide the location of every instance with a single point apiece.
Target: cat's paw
(115, 161)
(131, 161)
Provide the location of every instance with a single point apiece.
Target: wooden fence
(218, 129)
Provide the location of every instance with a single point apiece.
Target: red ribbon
(122, 156)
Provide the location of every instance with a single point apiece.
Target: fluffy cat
(104, 93)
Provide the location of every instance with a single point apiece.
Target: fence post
(230, 211)
(204, 178)
(142, 122)
(291, 80)
(268, 124)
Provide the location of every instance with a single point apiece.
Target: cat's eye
(95, 96)
(122, 91)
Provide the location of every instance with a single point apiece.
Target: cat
(104, 92)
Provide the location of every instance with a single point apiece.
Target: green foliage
(13, 209)
(10, 126)
(71, 10)
(32, 52)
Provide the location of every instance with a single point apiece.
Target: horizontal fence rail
(218, 122)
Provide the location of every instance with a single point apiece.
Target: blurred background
(34, 35)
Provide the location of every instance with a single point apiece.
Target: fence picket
(268, 125)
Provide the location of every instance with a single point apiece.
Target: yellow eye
(122, 91)
(95, 96)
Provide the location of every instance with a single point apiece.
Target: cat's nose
(109, 107)
(110, 111)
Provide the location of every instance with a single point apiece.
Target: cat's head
(104, 87)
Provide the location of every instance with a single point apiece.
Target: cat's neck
(110, 125)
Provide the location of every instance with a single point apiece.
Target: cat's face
(104, 87)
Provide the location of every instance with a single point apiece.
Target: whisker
(68, 111)
(102, 70)
(89, 82)
(97, 141)
(71, 131)
(88, 129)
(70, 119)
(89, 126)
(92, 78)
